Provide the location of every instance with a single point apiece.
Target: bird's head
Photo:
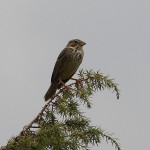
(76, 43)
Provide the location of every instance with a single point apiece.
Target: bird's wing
(60, 62)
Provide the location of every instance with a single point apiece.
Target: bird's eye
(75, 42)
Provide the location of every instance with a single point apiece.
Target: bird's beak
(83, 43)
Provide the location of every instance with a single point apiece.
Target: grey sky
(117, 33)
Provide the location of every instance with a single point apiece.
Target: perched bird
(66, 65)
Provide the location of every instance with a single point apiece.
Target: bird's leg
(78, 81)
(64, 85)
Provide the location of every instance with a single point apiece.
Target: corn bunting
(66, 65)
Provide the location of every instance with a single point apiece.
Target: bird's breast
(71, 64)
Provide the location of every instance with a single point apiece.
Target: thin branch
(85, 79)
(29, 126)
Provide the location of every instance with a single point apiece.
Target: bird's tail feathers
(51, 91)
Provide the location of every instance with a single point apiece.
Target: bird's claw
(78, 82)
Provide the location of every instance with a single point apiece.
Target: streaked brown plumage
(66, 65)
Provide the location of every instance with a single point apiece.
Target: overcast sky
(117, 33)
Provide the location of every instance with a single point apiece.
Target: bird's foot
(78, 82)
(64, 85)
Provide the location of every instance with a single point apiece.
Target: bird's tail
(51, 91)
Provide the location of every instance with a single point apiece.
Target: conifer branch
(61, 124)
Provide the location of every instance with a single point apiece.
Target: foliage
(61, 125)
